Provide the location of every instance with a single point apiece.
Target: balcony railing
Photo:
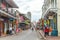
(48, 7)
(9, 11)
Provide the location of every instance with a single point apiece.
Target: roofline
(12, 3)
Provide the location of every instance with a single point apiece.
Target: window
(3, 4)
(54, 3)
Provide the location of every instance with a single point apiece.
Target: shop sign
(50, 17)
(21, 18)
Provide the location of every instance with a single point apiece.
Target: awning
(50, 11)
(11, 2)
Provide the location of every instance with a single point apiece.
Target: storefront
(3, 26)
(42, 23)
(17, 26)
(52, 22)
(27, 22)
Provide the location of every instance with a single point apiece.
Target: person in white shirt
(10, 30)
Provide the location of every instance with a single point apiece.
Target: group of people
(47, 31)
(12, 31)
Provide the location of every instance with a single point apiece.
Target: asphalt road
(25, 35)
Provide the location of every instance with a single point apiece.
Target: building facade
(7, 15)
(51, 12)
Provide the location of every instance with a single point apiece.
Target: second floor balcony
(51, 5)
(9, 11)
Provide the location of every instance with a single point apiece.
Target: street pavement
(49, 37)
(25, 35)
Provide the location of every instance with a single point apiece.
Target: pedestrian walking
(50, 30)
(46, 31)
(10, 30)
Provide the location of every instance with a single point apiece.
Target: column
(58, 22)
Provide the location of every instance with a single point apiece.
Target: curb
(42, 35)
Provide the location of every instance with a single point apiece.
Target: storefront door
(1, 28)
(5, 27)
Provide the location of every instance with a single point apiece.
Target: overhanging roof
(12, 3)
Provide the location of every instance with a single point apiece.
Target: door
(1, 28)
(5, 27)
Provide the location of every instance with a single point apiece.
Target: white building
(51, 10)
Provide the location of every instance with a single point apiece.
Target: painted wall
(58, 22)
(58, 4)
(58, 17)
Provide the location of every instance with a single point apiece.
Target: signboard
(21, 18)
(50, 17)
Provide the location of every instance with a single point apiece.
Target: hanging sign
(50, 17)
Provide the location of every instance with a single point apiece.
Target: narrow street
(25, 35)
(29, 19)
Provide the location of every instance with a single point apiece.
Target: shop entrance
(52, 16)
(1, 28)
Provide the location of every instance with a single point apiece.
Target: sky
(33, 6)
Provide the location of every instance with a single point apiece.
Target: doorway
(1, 28)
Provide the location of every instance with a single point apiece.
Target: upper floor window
(3, 4)
(54, 3)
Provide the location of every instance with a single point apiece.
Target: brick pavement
(48, 37)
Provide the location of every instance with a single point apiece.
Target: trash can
(54, 33)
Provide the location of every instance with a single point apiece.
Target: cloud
(34, 6)
(35, 17)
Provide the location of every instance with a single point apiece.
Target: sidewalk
(11, 35)
(48, 37)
